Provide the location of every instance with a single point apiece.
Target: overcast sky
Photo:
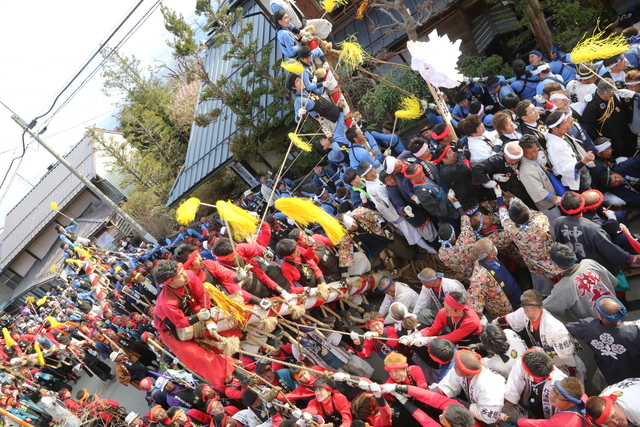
(44, 43)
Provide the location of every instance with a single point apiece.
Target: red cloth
(434, 400)
(559, 419)
(72, 405)
(199, 416)
(233, 390)
(418, 378)
(225, 276)
(470, 325)
(369, 346)
(381, 418)
(292, 274)
(189, 352)
(337, 402)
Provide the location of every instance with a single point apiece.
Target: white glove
(388, 388)
(314, 79)
(433, 106)
(301, 112)
(489, 108)
(401, 397)
(326, 83)
(265, 304)
(240, 275)
(290, 221)
(626, 93)
(409, 211)
(540, 99)
(307, 416)
(370, 335)
(215, 311)
(500, 177)
(326, 66)
(375, 389)
(176, 361)
(476, 79)
(312, 292)
(204, 314)
(456, 204)
(490, 184)
(302, 423)
(451, 194)
(364, 385)
(406, 340)
(424, 104)
(483, 321)
(212, 326)
(297, 413)
(466, 80)
(494, 321)
(340, 377)
(421, 342)
(609, 214)
(354, 337)
(497, 190)
(286, 296)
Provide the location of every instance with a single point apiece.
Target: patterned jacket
(458, 257)
(365, 218)
(485, 292)
(533, 241)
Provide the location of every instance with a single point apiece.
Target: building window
(10, 279)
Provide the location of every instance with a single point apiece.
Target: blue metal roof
(208, 150)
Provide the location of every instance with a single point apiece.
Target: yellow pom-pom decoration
(228, 306)
(186, 212)
(329, 5)
(53, 322)
(241, 223)
(304, 211)
(8, 341)
(74, 261)
(53, 268)
(352, 54)
(411, 108)
(596, 47)
(53, 206)
(298, 142)
(30, 299)
(39, 353)
(293, 66)
(82, 252)
(362, 9)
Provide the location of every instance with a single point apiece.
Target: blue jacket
(386, 140)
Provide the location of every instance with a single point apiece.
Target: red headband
(451, 302)
(435, 359)
(398, 366)
(463, 368)
(191, 258)
(377, 319)
(413, 174)
(608, 405)
(444, 133)
(574, 211)
(444, 153)
(166, 282)
(528, 371)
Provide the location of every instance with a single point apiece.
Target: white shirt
(628, 392)
(428, 298)
(479, 148)
(403, 294)
(519, 387)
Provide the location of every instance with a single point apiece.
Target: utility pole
(145, 235)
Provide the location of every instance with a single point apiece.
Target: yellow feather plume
(74, 261)
(186, 212)
(82, 252)
(39, 353)
(53, 322)
(53, 268)
(242, 224)
(596, 47)
(293, 66)
(352, 54)
(53, 206)
(304, 211)
(228, 306)
(9, 342)
(411, 108)
(30, 299)
(362, 9)
(329, 5)
(41, 301)
(303, 145)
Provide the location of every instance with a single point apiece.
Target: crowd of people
(489, 239)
